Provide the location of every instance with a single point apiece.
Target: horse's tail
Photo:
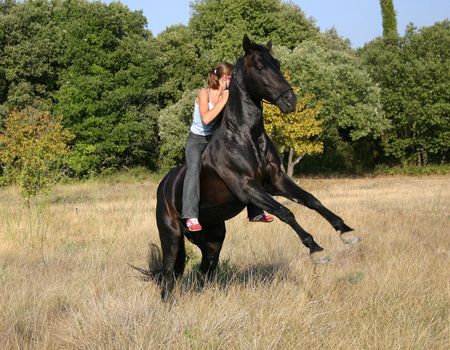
(155, 265)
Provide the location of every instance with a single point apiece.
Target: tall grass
(65, 282)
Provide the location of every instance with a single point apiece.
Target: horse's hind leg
(284, 186)
(172, 245)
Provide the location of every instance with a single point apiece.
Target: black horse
(240, 166)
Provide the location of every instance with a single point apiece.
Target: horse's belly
(220, 213)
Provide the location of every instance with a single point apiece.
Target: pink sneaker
(262, 218)
(193, 224)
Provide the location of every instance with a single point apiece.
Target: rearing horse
(240, 166)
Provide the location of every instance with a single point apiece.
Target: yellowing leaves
(299, 130)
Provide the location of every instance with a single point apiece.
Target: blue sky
(357, 20)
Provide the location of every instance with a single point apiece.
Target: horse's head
(263, 77)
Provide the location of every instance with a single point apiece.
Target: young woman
(208, 105)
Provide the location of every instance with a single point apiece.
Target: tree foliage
(298, 132)
(336, 79)
(415, 81)
(219, 26)
(126, 95)
(33, 146)
(331, 73)
(30, 46)
(183, 69)
(389, 19)
(173, 126)
(96, 65)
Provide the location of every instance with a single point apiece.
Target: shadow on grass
(228, 275)
(225, 276)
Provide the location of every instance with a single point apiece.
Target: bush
(413, 170)
(33, 149)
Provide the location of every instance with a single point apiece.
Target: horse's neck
(242, 115)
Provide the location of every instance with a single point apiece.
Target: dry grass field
(65, 282)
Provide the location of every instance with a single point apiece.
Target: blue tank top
(197, 126)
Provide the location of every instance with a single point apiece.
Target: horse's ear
(269, 45)
(246, 44)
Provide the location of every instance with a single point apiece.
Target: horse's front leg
(256, 195)
(282, 185)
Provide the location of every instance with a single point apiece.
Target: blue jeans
(195, 145)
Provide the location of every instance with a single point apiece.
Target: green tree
(173, 123)
(296, 133)
(331, 73)
(414, 77)
(389, 19)
(95, 64)
(219, 26)
(184, 69)
(32, 149)
(5, 7)
(30, 50)
(427, 57)
(108, 90)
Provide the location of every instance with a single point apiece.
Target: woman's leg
(195, 145)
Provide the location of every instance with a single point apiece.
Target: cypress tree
(389, 19)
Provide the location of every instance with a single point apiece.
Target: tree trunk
(422, 158)
(290, 168)
(293, 162)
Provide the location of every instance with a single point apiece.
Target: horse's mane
(238, 70)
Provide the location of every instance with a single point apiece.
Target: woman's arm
(208, 115)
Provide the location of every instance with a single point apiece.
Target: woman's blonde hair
(218, 72)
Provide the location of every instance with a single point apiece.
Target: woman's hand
(224, 95)
(224, 83)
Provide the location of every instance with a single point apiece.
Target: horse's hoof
(318, 258)
(350, 238)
